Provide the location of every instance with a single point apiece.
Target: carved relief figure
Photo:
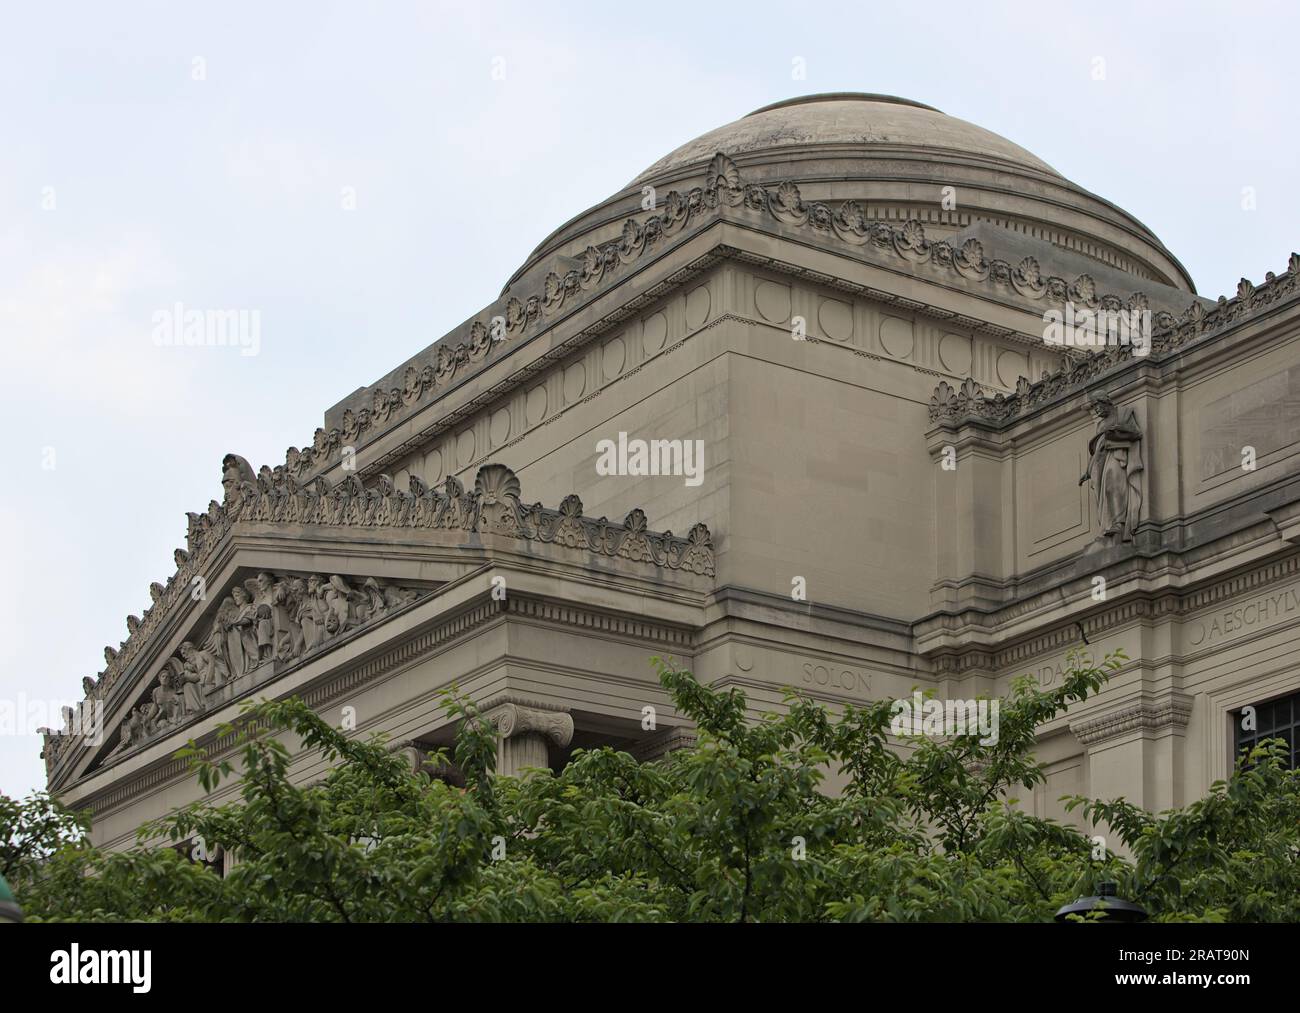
(312, 612)
(289, 641)
(339, 597)
(210, 669)
(185, 685)
(245, 622)
(132, 728)
(1114, 470)
(166, 701)
(261, 589)
(235, 471)
(376, 606)
(396, 597)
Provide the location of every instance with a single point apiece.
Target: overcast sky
(160, 153)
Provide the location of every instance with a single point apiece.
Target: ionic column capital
(511, 719)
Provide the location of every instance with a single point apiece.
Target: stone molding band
(1144, 715)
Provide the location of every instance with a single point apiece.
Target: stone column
(523, 732)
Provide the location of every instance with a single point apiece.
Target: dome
(899, 159)
(850, 119)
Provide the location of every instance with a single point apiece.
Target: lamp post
(1112, 907)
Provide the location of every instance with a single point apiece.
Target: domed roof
(846, 118)
(898, 159)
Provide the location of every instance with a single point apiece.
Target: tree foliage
(738, 828)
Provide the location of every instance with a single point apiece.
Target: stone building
(847, 396)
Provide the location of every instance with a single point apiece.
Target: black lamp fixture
(1112, 907)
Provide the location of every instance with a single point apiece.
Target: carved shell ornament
(495, 483)
(851, 217)
(1027, 273)
(723, 173)
(1084, 290)
(480, 340)
(787, 197)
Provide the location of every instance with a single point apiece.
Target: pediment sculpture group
(265, 619)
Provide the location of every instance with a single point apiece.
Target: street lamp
(1113, 908)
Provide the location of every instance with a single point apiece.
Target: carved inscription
(832, 676)
(1262, 611)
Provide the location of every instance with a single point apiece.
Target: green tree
(737, 828)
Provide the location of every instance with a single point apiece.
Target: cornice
(377, 459)
(1093, 623)
(604, 622)
(1171, 336)
(875, 295)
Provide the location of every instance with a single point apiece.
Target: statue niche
(1114, 471)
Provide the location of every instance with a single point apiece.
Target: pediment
(264, 626)
(278, 575)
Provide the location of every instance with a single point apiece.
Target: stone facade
(839, 303)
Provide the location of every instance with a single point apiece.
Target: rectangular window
(1276, 719)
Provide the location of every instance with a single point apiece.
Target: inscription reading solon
(836, 677)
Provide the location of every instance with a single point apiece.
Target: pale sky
(127, 185)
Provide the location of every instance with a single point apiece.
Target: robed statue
(1115, 469)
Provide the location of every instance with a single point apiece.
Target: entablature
(1065, 609)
